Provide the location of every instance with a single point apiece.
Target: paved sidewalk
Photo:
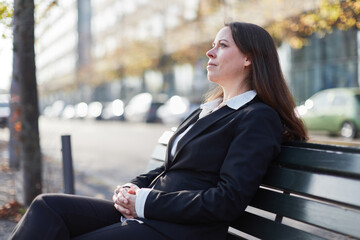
(52, 182)
(7, 192)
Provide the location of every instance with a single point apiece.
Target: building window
(328, 62)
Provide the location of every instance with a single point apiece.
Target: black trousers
(62, 217)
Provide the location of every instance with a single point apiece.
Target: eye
(223, 45)
(213, 45)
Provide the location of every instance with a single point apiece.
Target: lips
(211, 64)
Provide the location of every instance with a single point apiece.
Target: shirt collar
(234, 103)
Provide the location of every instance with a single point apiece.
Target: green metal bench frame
(311, 191)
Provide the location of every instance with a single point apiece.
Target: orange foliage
(12, 211)
(330, 14)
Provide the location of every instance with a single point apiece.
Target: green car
(336, 111)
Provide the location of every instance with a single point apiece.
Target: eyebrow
(222, 40)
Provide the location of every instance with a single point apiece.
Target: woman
(214, 164)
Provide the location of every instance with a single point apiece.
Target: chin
(212, 77)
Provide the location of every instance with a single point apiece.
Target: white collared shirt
(210, 107)
(207, 108)
(234, 103)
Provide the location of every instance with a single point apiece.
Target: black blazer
(216, 169)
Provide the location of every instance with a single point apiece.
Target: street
(113, 152)
(324, 138)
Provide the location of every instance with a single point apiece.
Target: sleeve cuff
(141, 196)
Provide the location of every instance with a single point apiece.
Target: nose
(211, 53)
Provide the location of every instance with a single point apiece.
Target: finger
(121, 209)
(115, 198)
(125, 212)
(135, 187)
(117, 189)
(124, 196)
(128, 216)
(120, 200)
(130, 197)
(128, 194)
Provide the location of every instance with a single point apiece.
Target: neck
(233, 93)
(235, 87)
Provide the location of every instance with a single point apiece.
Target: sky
(5, 62)
(5, 56)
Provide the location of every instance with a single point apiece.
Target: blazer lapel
(182, 127)
(192, 118)
(200, 126)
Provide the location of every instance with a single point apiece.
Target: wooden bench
(311, 191)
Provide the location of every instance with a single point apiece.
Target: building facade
(101, 50)
(56, 51)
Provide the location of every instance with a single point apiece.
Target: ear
(247, 62)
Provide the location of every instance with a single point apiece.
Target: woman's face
(227, 63)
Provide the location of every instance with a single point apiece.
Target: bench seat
(311, 191)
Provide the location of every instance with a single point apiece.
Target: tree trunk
(24, 74)
(14, 124)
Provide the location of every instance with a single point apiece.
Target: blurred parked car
(175, 109)
(336, 111)
(81, 110)
(94, 110)
(69, 112)
(55, 109)
(113, 110)
(143, 108)
(4, 110)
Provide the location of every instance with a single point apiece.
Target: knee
(44, 203)
(44, 198)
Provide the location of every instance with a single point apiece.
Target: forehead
(224, 33)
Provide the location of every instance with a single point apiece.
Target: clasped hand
(124, 200)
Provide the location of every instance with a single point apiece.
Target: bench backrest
(311, 191)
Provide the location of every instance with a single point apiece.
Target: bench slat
(326, 147)
(233, 236)
(159, 152)
(322, 215)
(333, 188)
(250, 224)
(165, 137)
(326, 161)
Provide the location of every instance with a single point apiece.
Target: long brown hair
(266, 77)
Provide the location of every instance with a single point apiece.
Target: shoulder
(258, 108)
(259, 119)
